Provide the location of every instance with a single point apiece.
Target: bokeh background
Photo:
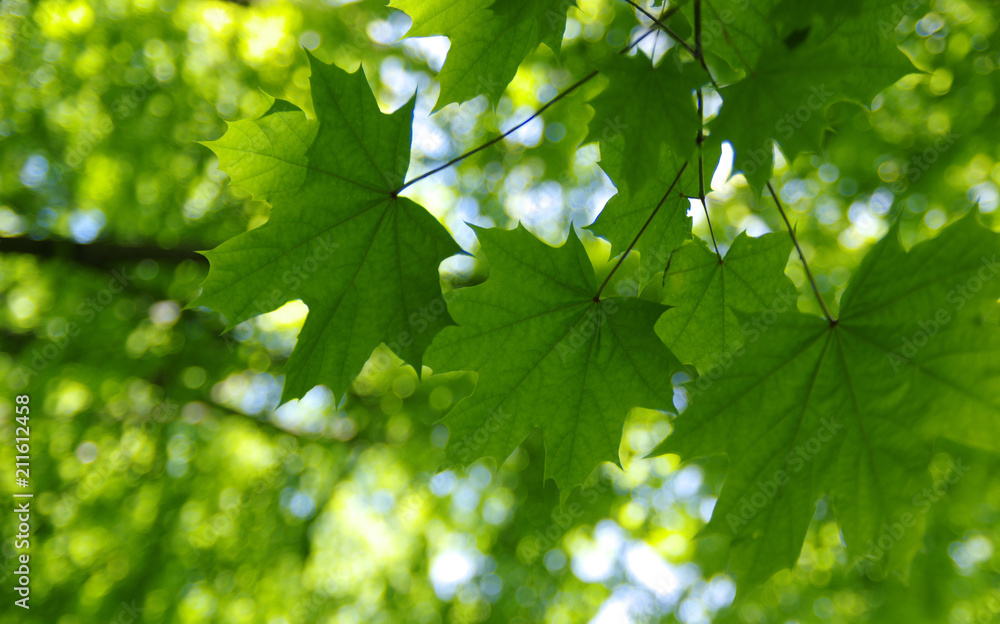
(172, 487)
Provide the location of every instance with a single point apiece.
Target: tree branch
(100, 255)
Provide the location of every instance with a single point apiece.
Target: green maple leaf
(708, 295)
(550, 356)
(489, 40)
(364, 260)
(845, 409)
(646, 122)
(939, 293)
(799, 61)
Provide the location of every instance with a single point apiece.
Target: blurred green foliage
(171, 487)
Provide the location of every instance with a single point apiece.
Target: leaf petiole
(635, 240)
(812, 280)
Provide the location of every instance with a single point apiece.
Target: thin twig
(558, 97)
(635, 240)
(663, 27)
(700, 54)
(701, 173)
(652, 30)
(698, 50)
(626, 49)
(812, 280)
(687, 46)
(561, 95)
